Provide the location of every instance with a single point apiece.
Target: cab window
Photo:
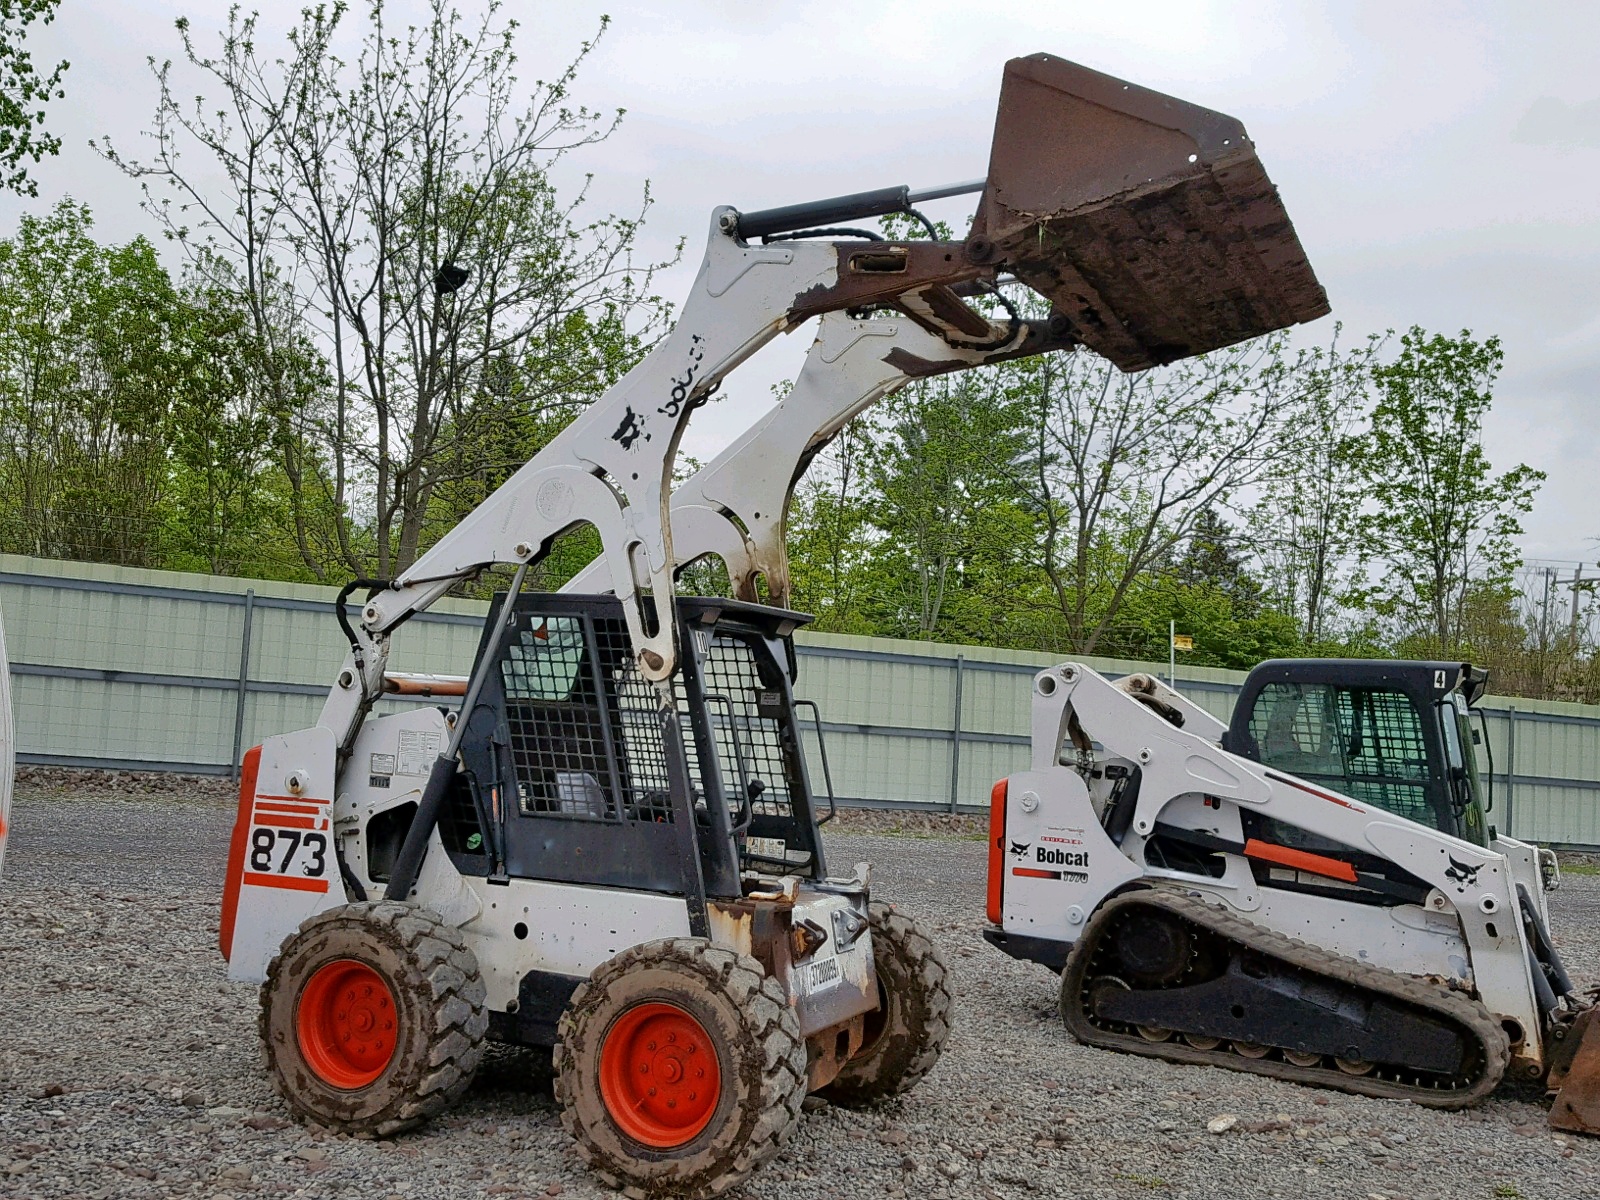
(1367, 743)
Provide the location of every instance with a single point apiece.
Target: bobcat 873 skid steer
(1258, 897)
(610, 846)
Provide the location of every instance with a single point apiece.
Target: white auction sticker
(821, 974)
(418, 749)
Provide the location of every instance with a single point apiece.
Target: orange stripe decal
(1317, 792)
(292, 882)
(1035, 873)
(280, 807)
(1300, 860)
(275, 821)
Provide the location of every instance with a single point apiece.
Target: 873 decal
(288, 844)
(276, 851)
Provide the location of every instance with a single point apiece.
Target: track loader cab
(1396, 734)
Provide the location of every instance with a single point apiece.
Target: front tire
(907, 1033)
(679, 1069)
(373, 1018)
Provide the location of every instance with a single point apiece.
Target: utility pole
(1544, 616)
(1577, 595)
(1572, 626)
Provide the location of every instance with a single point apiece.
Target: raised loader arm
(612, 467)
(736, 506)
(1210, 259)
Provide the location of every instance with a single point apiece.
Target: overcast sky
(1441, 162)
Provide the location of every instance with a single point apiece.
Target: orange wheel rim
(346, 1023)
(659, 1075)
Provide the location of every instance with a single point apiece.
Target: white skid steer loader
(1205, 906)
(610, 846)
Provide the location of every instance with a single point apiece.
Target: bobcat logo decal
(1019, 849)
(1463, 873)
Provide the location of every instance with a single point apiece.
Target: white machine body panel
(1059, 863)
(288, 870)
(565, 928)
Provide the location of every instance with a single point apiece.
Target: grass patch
(1580, 868)
(1508, 1190)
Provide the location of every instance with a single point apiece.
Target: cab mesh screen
(1364, 742)
(749, 745)
(557, 717)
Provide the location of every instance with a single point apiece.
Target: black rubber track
(1471, 1017)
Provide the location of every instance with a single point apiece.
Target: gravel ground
(129, 1065)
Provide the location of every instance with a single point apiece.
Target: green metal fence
(116, 667)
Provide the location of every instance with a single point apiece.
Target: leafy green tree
(832, 544)
(1122, 466)
(87, 374)
(1440, 522)
(1213, 560)
(398, 206)
(943, 458)
(1304, 528)
(23, 94)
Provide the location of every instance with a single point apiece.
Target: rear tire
(373, 1018)
(905, 1037)
(638, 1046)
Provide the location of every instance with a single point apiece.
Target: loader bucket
(1575, 1076)
(1149, 222)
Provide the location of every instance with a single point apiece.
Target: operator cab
(1395, 734)
(572, 775)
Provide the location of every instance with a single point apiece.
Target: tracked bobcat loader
(1308, 893)
(608, 843)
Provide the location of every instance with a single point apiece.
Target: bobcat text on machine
(610, 846)
(1310, 892)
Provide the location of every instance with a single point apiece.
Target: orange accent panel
(1300, 860)
(294, 883)
(997, 850)
(236, 848)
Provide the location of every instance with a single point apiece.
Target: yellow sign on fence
(1182, 641)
